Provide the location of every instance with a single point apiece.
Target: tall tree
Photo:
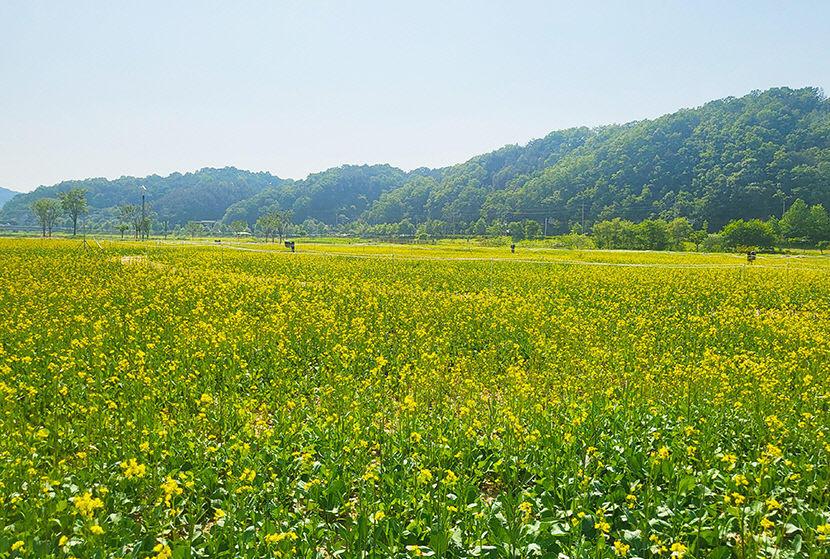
(751, 234)
(239, 226)
(193, 228)
(274, 223)
(131, 213)
(796, 221)
(818, 225)
(47, 211)
(681, 231)
(265, 225)
(74, 205)
(282, 221)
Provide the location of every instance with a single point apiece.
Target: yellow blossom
(86, 504)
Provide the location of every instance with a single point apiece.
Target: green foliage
(178, 198)
(239, 226)
(795, 222)
(751, 234)
(73, 204)
(47, 211)
(729, 159)
(818, 225)
(336, 196)
(406, 227)
(711, 242)
(680, 231)
(532, 229)
(572, 241)
(623, 234)
(130, 214)
(725, 160)
(193, 229)
(273, 223)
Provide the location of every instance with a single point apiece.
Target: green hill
(734, 158)
(177, 198)
(725, 160)
(338, 195)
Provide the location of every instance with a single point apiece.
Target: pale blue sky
(91, 89)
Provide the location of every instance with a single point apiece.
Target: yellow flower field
(184, 400)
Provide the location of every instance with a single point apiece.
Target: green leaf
(558, 529)
(686, 484)
(709, 536)
(797, 543)
(791, 529)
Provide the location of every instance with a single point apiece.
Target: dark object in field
(750, 256)
(513, 248)
(289, 244)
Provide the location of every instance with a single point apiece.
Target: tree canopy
(74, 205)
(47, 210)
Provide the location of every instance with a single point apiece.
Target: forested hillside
(735, 158)
(729, 159)
(177, 198)
(338, 195)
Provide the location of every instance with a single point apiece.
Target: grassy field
(191, 400)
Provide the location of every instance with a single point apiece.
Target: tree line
(801, 225)
(48, 210)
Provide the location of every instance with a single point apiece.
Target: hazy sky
(90, 89)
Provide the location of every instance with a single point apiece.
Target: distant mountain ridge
(733, 158)
(6, 195)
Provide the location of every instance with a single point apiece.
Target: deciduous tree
(74, 205)
(47, 211)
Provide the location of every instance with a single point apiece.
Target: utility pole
(143, 216)
(583, 217)
(780, 194)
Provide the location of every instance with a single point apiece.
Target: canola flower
(162, 551)
(621, 549)
(170, 489)
(414, 405)
(131, 468)
(86, 504)
(678, 550)
(280, 536)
